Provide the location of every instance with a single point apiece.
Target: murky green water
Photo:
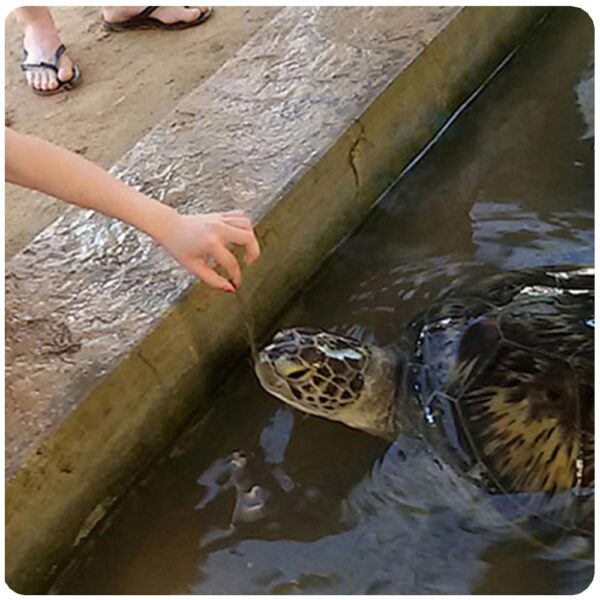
(265, 500)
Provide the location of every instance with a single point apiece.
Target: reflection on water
(260, 499)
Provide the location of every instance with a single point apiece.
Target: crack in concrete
(352, 154)
(152, 368)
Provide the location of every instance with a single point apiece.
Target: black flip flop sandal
(145, 21)
(63, 86)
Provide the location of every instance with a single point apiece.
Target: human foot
(47, 68)
(119, 18)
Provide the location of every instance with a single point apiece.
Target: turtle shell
(504, 379)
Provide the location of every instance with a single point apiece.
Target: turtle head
(331, 376)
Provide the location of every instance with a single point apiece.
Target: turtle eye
(298, 375)
(292, 370)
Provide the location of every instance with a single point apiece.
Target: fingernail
(230, 289)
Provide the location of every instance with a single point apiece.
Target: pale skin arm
(191, 239)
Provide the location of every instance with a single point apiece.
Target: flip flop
(144, 21)
(63, 86)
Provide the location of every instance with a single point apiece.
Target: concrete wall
(111, 347)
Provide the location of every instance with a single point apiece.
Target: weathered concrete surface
(129, 83)
(110, 347)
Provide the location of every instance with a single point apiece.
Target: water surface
(261, 499)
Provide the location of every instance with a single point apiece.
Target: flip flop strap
(42, 64)
(147, 12)
(150, 9)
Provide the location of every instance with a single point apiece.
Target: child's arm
(191, 239)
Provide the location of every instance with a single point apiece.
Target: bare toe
(65, 70)
(42, 81)
(30, 78)
(37, 81)
(50, 81)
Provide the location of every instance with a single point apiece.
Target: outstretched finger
(228, 261)
(233, 213)
(243, 237)
(239, 222)
(202, 270)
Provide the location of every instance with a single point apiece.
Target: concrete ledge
(111, 348)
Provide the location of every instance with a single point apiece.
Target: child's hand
(193, 239)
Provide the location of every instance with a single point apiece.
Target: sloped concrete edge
(137, 408)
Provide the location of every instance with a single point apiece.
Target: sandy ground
(129, 82)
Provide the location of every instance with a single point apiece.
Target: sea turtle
(498, 379)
